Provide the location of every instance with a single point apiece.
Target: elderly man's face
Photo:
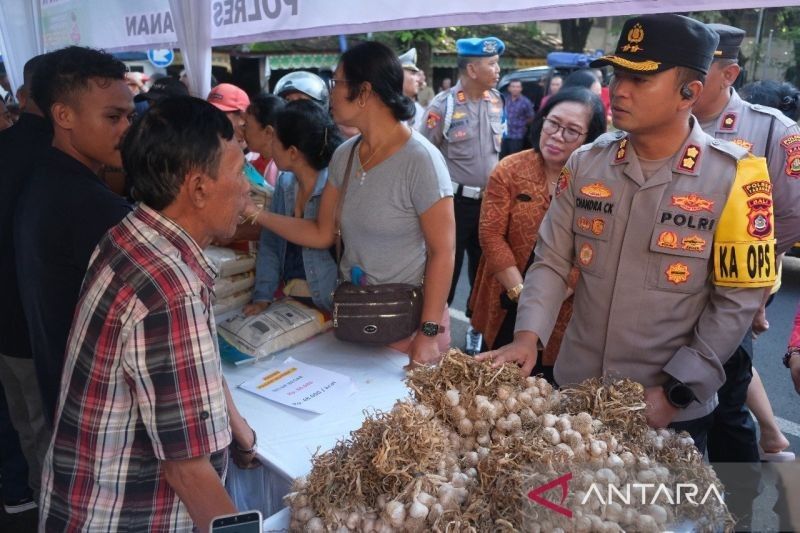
(227, 193)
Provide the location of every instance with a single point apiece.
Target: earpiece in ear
(686, 93)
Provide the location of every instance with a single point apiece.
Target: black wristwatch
(793, 350)
(431, 329)
(678, 393)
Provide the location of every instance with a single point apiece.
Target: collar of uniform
(623, 152)
(728, 120)
(190, 251)
(689, 159)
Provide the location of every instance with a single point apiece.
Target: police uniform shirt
(471, 143)
(765, 131)
(671, 266)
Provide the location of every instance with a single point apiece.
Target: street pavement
(769, 350)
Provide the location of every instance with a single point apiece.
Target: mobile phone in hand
(245, 522)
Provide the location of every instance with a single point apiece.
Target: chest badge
(762, 186)
(667, 239)
(728, 122)
(563, 180)
(586, 254)
(689, 158)
(598, 225)
(461, 97)
(693, 203)
(596, 190)
(621, 151)
(678, 273)
(694, 243)
(584, 223)
(433, 120)
(759, 224)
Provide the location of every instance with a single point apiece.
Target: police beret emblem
(489, 46)
(635, 36)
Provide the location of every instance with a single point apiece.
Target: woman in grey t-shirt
(397, 218)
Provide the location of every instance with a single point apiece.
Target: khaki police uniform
(469, 135)
(764, 131)
(471, 143)
(672, 266)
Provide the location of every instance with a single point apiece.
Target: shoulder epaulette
(783, 119)
(729, 148)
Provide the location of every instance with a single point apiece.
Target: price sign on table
(302, 386)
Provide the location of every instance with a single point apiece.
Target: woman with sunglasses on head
(517, 197)
(302, 143)
(397, 219)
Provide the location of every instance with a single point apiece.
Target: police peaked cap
(480, 47)
(655, 43)
(730, 40)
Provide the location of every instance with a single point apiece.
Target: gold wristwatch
(514, 292)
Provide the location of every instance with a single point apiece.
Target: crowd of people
(115, 413)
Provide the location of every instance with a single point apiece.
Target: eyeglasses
(551, 127)
(335, 81)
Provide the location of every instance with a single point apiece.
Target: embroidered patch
(689, 158)
(667, 239)
(791, 145)
(728, 122)
(621, 150)
(635, 37)
(747, 145)
(763, 187)
(759, 225)
(461, 97)
(677, 273)
(693, 203)
(458, 114)
(584, 223)
(433, 120)
(694, 243)
(563, 180)
(596, 190)
(586, 254)
(460, 134)
(598, 225)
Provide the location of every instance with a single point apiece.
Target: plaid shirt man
(142, 384)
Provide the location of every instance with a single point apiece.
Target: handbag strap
(340, 205)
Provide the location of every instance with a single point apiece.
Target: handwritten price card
(302, 386)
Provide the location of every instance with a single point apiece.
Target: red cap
(227, 97)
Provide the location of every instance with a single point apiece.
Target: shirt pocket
(682, 241)
(592, 231)
(497, 134)
(459, 145)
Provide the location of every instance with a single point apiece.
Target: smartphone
(245, 522)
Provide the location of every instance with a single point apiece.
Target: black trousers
(732, 439)
(468, 214)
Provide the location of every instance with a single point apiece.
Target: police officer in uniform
(408, 60)
(466, 124)
(763, 131)
(661, 221)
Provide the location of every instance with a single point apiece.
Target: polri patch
(756, 187)
(693, 203)
(678, 273)
(667, 239)
(598, 225)
(563, 180)
(433, 120)
(758, 224)
(461, 97)
(791, 145)
(586, 254)
(584, 223)
(744, 143)
(596, 190)
(693, 243)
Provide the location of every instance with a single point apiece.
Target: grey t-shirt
(381, 229)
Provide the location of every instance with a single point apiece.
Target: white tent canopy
(29, 27)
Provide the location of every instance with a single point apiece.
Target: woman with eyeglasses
(517, 197)
(397, 219)
(302, 142)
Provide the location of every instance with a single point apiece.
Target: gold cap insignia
(635, 36)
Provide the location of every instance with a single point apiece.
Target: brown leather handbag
(372, 314)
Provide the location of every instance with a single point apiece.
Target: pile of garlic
(502, 433)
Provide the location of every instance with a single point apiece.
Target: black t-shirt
(61, 216)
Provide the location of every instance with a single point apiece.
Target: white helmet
(304, 82)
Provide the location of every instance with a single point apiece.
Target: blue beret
(480, 47)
